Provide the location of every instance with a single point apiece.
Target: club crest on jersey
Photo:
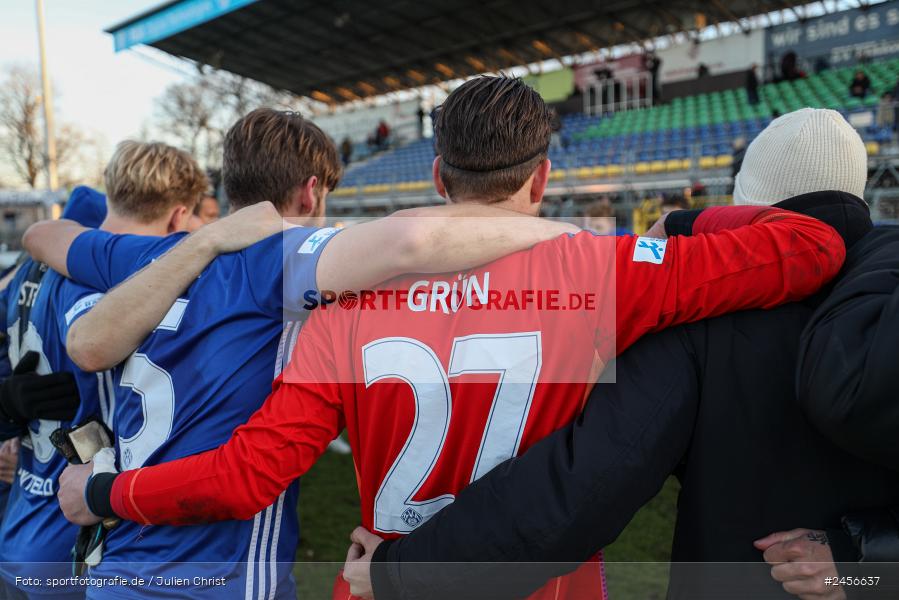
(411, 517)
(651, 250)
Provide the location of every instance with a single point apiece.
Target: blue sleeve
(281, 270)
(102, 260)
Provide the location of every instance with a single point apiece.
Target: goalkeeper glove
(25, 395)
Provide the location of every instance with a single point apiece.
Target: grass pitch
(636, 566)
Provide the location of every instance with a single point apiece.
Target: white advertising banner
(720, 55)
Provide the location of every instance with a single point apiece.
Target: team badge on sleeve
(651, 250)
(82, 305)
(315, 240)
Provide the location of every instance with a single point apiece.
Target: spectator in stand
(555, 136)
(607, 98)
(382, 133)
(421, 122)
(859, 85)
(752, 85)
(789, 67)
(886, 112)
(346, 150)
(895, 94)
(652, 63)
(673, 202)
(702, 71)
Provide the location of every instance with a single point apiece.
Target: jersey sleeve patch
(315, 240)
(81, 306)
(651, 250)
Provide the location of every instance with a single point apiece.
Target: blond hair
(144, 180)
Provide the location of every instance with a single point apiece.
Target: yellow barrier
(345, 191)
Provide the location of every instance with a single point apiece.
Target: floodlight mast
(47, 101)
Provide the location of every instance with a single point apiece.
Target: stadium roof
(342, 50)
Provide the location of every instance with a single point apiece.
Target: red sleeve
(279, 443)
(772, 257)
(720, 218)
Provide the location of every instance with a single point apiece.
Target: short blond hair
(144, 180)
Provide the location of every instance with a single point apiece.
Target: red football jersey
(439, 378)
(438, 387)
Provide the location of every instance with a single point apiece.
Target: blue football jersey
(202, 372)
(6, 431)
(35, 538)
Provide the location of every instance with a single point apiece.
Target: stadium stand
(632, 158)
(693, 131)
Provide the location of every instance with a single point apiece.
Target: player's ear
(438, 182)
(307, 200)
(540, 181)
(179, 219)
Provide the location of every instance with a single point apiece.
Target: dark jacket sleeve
(874, 535)
(564, 499)
(849, 366)
(867, 546)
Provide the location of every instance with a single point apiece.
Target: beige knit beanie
(809, 150)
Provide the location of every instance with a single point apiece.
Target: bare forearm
(429, 240)
(452, 243)
(102, 338)
(49, 242)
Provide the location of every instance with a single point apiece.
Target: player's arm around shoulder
(101, 339)
(428, 240)
(724, 259)
(49, 242)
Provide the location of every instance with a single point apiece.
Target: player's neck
(117, 224)
(519, 202)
